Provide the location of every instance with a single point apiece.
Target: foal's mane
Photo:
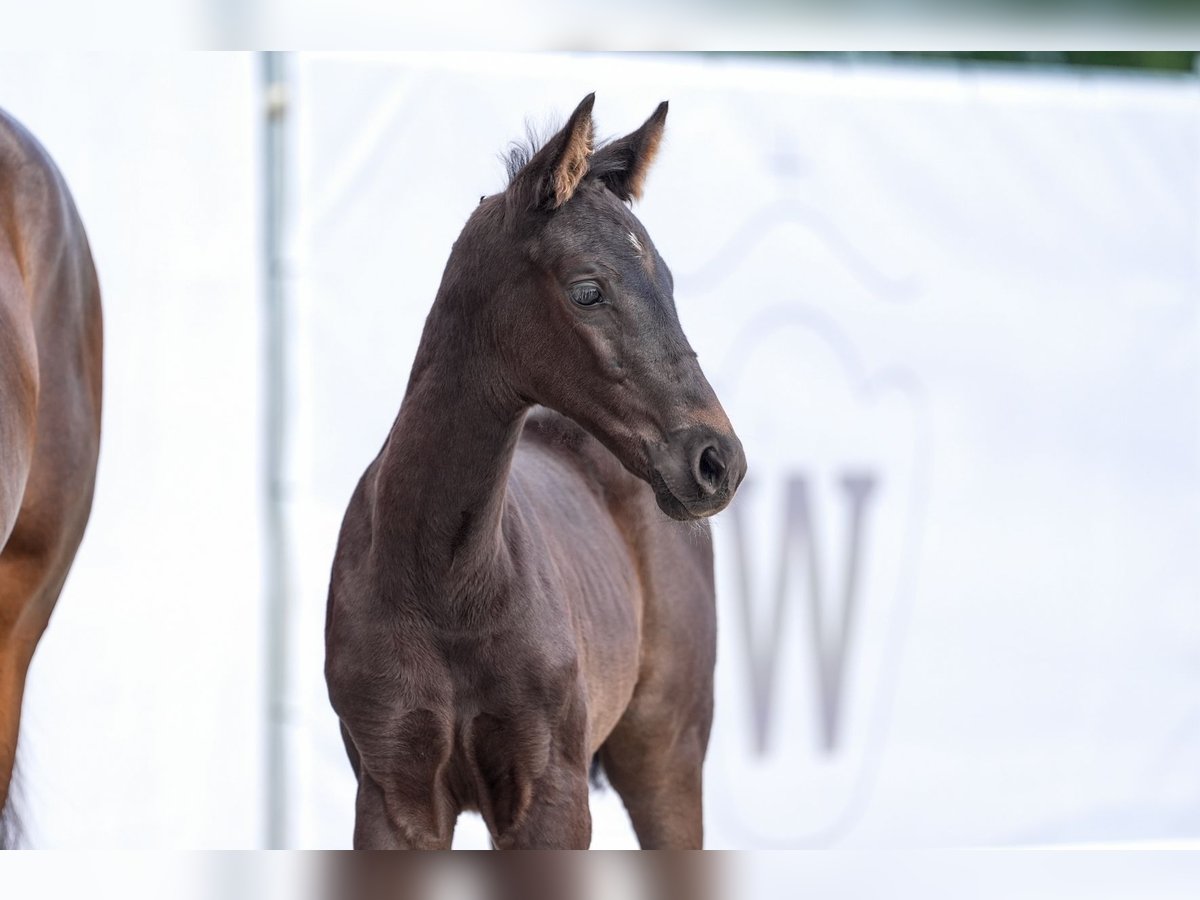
(519, 153)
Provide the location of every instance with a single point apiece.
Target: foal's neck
(442, 474)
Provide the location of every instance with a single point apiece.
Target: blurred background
(950, 302)
(662, 25)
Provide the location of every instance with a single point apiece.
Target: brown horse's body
(50, 378)
(508, 599)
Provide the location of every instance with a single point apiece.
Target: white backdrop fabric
(953, 316)
(143, 718)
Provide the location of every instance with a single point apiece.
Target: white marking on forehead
(637, 245)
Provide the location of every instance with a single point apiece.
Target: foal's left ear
(622, 164)
(551, 176)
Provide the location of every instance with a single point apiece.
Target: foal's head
(586, 315)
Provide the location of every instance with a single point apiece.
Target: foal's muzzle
(696, 473)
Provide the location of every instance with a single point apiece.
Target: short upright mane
(620, 164)
(519, 153)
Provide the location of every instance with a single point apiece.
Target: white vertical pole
(274, 83)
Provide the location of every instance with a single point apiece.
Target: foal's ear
(551, 176)
(622, 164)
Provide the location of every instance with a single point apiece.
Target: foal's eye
(586, 293)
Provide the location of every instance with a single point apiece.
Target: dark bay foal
(508, 599)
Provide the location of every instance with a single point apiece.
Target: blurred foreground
(1163, 873)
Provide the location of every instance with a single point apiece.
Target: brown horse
(508, 600)
(50, 375)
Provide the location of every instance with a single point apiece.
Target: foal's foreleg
(656, 768)
(383, 822)
(558, 816)
(533, 787)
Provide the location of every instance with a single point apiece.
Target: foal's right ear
(551, 176)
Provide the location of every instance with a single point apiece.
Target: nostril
(711, 468)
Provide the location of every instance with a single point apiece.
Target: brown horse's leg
(14, 662)
(28, 588)
(15, 655)
(655, 767)
(24, 613)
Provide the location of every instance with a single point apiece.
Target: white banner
(953, 316)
